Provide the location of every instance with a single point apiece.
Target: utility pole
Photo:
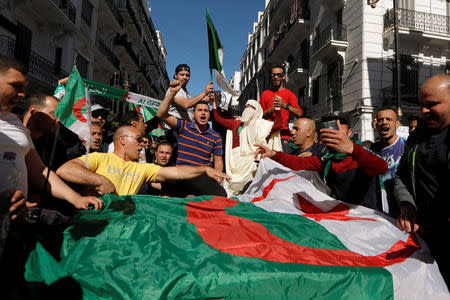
(396, 73)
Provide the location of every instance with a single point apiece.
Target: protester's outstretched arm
(58, 189)
(76, 172)
(163, 110)
(188, 172)
(188, 103)
(264, 151)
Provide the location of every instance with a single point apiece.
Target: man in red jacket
(348, 168)
(280, 97)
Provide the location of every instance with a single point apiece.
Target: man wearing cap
(280, 97)
(99, 114)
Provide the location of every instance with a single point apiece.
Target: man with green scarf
(348, 168)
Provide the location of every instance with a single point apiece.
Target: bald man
(119, 173)
(304, 136)
(422, 180)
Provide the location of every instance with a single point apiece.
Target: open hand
(216, 175)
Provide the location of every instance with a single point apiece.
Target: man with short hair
(182, 104)
(280, 97)
(304, 134)
(95, 143)
(422, 184)
(413, 122)
(120, 173)
(196, 145)
(347, 168)
(163, 153)
(134, 119)
(390, 147)
(40, 119)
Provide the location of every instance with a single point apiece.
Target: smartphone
(330, 125)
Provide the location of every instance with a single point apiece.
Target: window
(409, 79)
(86, 11)
(82, 65)
(315, 91)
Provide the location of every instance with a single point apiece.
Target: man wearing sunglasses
(280, 98)
(119, 173)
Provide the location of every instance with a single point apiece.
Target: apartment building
(341, 54)
(110, 41)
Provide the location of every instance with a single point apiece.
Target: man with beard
(422, 183)
(197, 143)
(390, 146)
(242, 135)
(280, 97)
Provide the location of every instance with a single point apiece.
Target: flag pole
(50, 164)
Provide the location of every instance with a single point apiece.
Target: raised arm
(58, 189)
(75, 171)
(163, 110)
(188, 172)
(188, 103)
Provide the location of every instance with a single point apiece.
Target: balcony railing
(103, 47)
(336, 32)
(7, 45)
(122, 40)
(115, 11)
(417, 20)
(281, 34)
(43, 69)
(67, 8)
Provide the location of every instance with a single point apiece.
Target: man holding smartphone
(347, 168)
(280, 98)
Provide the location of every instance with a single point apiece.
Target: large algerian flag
(285, 239)
(216, 56)
(74, 109)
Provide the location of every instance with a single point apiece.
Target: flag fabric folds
(216, 56)
(74, 108)
(282, 239)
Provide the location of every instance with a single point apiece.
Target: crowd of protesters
(405, 179)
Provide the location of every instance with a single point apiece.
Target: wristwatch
(287, 106)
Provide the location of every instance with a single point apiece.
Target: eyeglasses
(278, 75)
(99, 113)
(139, 139)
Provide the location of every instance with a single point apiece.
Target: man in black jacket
(423, 177)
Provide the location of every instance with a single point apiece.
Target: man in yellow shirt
(118, 172)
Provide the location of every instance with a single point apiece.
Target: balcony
(7, 45)
(289, 36)
(44, 70)
(115, 11)
(418, 26)
(332, 5)
(121, 40)
(329, 42)
(298, 72)
(67, 8)
(107, 52)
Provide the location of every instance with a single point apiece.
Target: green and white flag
(74, 108)
(216, 57)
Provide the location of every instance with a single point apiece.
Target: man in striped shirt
(197, 143)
